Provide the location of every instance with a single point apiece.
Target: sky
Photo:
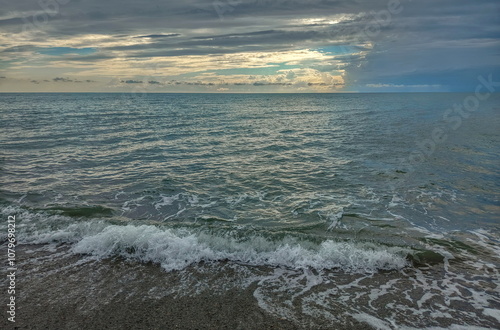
(249, 46)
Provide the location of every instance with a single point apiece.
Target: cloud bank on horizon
(248, 45)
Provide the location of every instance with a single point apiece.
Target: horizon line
(221, 93)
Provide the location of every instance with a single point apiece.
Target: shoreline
(67, 292)
(57, 289)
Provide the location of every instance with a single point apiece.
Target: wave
(179, 247)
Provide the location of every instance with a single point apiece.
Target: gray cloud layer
(429, 42)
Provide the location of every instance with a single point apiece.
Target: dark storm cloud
(448, 44)
(129, 17)
(210, 44)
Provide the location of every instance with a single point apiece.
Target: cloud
(65, 80)
(314, 45)
(60, 79)
(170, 35)
(260, 83)
(58, 51)
(131, 81)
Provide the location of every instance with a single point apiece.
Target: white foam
(485, 242)
(372, 320)
(335, 218)
(177, 249)
(495, 313)
(451, 327)
(294, 287)
(128, 205)
(166, 201)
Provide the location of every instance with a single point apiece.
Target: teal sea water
(329, 183)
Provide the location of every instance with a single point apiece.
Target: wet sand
(55, 290)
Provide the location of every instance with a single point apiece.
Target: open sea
(332, 209)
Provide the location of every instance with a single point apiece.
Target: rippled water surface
(357, 182)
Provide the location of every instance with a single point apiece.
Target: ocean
(327, 210)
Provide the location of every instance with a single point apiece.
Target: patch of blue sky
(57, 51)
(5, 64)
(270, 69)
(337, 50)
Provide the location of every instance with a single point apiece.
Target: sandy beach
(59, 290)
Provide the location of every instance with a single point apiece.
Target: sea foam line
(177, 248)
